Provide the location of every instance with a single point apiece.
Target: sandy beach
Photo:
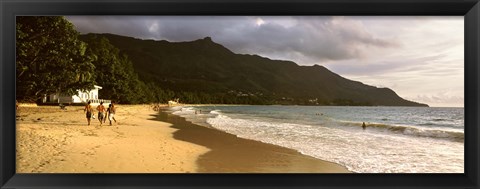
(51, 140)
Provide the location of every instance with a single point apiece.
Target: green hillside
(203, 71)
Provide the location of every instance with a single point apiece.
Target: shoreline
(231, 154)
(51, 140)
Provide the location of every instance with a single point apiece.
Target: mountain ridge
(204, 67)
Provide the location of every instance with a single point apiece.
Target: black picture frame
(470, 9)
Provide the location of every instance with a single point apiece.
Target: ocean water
(396, 139)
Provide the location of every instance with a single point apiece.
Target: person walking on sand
(111, 113)
(101, 113)
(364, 126)
(89, 110)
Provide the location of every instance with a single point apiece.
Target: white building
(80, 97)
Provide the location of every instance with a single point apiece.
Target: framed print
(239, 94)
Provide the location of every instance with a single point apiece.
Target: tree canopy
(50, 58)
(114, 72)
(53, 58)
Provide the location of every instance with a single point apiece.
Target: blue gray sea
(396, 139)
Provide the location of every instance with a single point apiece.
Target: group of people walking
(102, 113)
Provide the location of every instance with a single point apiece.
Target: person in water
(364, 126)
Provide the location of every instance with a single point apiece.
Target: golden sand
(51, 140)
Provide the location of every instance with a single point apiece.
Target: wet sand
(230, 154)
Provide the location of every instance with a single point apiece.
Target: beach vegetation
(50, 58)
(114, 72)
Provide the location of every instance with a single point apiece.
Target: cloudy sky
(420, 58)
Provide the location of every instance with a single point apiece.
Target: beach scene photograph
(240, 94)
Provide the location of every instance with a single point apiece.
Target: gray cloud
(128, 26)
(314, 38)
